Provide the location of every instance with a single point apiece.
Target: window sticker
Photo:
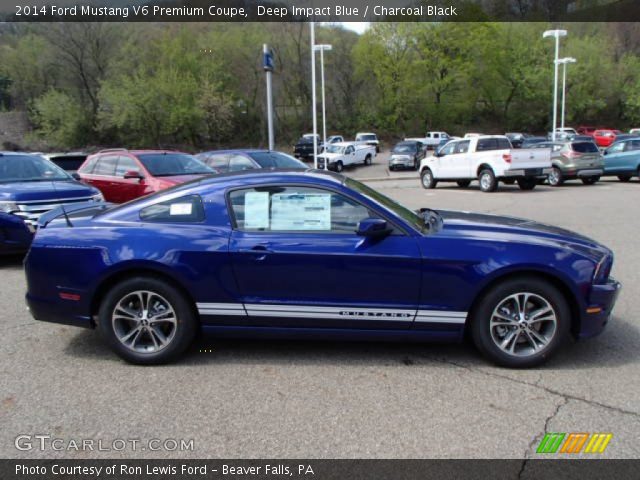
(180, 209)
(301, 211)
(256, 210)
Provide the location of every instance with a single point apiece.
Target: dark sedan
(223, 161)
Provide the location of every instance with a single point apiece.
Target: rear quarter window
(187, 209)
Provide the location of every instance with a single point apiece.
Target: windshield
(334, 149)
(170, 164)
(408, 215)
(29, 168)
(404, 148)
(276, 160)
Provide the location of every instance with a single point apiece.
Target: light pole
(313, 94)
(268, 68)
(556, 34)
(321, 49)
(564, 62)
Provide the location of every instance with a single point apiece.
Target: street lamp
(321, 49)
(563, 62)
(313, 94)
(556, 34)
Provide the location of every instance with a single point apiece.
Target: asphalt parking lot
(239, 399)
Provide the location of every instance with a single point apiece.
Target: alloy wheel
(144, 321)
(523, 324)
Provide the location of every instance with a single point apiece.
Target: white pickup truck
(488, 159)
(339, 155)
(432, 139)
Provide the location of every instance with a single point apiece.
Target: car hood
(46, 190)
(520, 230)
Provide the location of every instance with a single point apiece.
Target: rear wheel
(624, 178)
(527, 183)
(367, 160)
(521, 322)
(488, 182)
(463, 183)
(339, 166)
(555, 177)
(590, 180)
(147, 321)
(427, 180)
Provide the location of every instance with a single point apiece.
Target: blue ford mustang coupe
(313, 255)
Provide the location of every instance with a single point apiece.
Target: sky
(358, 27)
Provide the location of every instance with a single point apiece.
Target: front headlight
(603, 270)
(8, 207)
(98, 197)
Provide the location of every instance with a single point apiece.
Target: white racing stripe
(347, 313)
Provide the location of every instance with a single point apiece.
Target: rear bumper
(527, 173)
(601, 302)
(56, 312)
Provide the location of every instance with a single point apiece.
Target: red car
(585, 130)
(122, 175)
(604, 138)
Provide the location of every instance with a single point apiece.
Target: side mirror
(133, 174)
(76, 176)
(373, 228)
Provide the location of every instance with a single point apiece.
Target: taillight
(506, 157)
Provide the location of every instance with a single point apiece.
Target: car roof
(364, 133)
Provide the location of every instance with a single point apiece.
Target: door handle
(260, 251)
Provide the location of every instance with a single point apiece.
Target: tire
(463, 183)
(527, 183)
(391, 168)
(555, 177)
(339, 166)
(488, 182)
(624, 178)
(426, 179)
(367, 160)
(590, 180)
(177, 325)
(509, 340)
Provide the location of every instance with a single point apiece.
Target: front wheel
(590, 180)
(488, 182)
(339, 166)
(521, 322)
(147, 321)
(367, 160)
(527, 183)
(427, 180)
(555, 177)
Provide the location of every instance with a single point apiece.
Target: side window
(462, 147)
(126, 164)
(349, 150)
(448, 149)
(485, 144)
(88, 166)
(504, 144)
(218, 161)
(633, 145)
(436, 135)
(295, 209)
(240, 162)
(617, 147)
(187, 209)
(106, 165)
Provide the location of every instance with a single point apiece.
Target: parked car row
(303, 148)
(491, 159)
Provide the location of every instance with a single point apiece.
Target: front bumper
(601, 302)
(401, 162)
